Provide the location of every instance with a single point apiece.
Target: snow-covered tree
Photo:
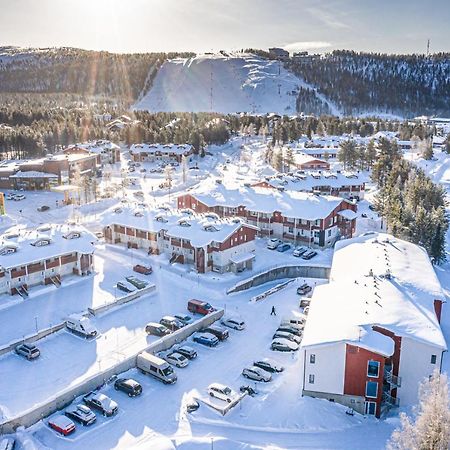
(429, 429)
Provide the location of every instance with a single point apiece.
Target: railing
(392, 379)
(390, 401)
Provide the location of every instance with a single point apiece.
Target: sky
(387, 26)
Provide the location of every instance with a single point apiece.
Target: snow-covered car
(131, 387)
(287, 335)
(171, 323)
(207, 339)
(81, 414)
(219, 332)
(256, 374)
(10, 196)
(283, 248)
(304, 289)
(187, 352)
(19, 197)
(186, 319)
(177, 359)
(125, 287)
(102, 403)
(272, 244)
(81, 326)
(136, 282)
(283, 345)
(309, 255)
(62, 424)
(299, 251)
(144, 270)
(268, 365)
(290, 329)
(29, 351)
(235, 324)
(222, 392)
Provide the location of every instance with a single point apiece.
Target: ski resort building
(348, 185)
(307, 162)
(296, 216)
(106, 151)
(373, 333)
(160, 152)
(43, 256)
(202, 240)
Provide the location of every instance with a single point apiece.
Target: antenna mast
(428, 47)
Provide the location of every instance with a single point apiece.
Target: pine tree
(427, 149)
(289, 159)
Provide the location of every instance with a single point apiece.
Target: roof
(179, 149)
(301, 158)
(376, 280)
(242, 257)
(290, 203)
(33, 174)
(19, 247)
(199, 229)
(348, 214)
(99, 146)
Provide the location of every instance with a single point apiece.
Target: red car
(143, 269)
(62, 425)
(199, 307)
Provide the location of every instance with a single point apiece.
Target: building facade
(161, 152)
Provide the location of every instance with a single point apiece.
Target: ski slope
(224, 84)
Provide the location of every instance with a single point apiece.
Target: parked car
(256, 374)
(297, 321)
(10, 196)
(183, 318)
(102, 403)
(304, 289)
(156, 329)
(192, 406)
(220, 333)
(235, 324)
(309, 255)
(99, 234)
(283, 248)
(306, 310)
(62, 424)
(171, 323)
(81, 414)
(222, 392)
(299, 251)
(136, 282)
(199, 307)
(207, 339)
(156, 367)
(43, 208)
(82, 326)
(124, 287)
(268, 365)
(144, 270)
(177, 359)
(272, 244)
(304, 302)
(283, 345)
(372, 207)
(287, 335)
(129, 386)
(18, 197)
(289, 329)
(187, 352)
(29, 351)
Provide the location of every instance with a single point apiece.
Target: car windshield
(208, 306)
(227, 391)
(168, 371)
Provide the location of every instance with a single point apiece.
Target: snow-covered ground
(227, 84)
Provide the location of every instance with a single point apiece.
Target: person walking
(273, 313)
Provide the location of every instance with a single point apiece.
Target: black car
(81, 414)
(43, 208)
(123, 287)
(187, 352)
(372, 208)
(289, 329)
(129, 386)
(268, 366)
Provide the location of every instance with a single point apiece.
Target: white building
(373, 332)
(160, 152)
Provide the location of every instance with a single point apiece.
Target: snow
(33, 174)
(353, 302)
(228, 84)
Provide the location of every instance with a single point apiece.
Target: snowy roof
(309, 180)
(290, 203)
(179, 149)
(24, 246)
(303, 158)
(99, 146)
(33, 174)
(199, 229)
(376, 280)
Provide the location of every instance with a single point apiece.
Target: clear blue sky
(394, 26)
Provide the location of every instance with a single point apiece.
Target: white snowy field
(227, 84)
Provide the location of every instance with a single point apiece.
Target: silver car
(256, 374)
(29, 351)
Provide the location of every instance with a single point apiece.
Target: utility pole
(428, 47)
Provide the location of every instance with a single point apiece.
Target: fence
(271, 291)
(280, 272)
(122, 300)
(65, 397)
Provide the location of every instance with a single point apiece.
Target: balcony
(393, 380)
(389, 401)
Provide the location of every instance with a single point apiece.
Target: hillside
(223, 83)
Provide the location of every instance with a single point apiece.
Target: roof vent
(161, 219)
(184, 223)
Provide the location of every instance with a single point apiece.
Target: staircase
(56, 281)
(22, 291)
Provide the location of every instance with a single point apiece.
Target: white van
(297, 322)
(156, 367)
(82, 326)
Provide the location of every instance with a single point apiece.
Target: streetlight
(36, 323)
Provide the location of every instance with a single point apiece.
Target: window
(433, 359)
(311, 379)
(371, 389)
(329, 232)
(312, 358)
(373, 369)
